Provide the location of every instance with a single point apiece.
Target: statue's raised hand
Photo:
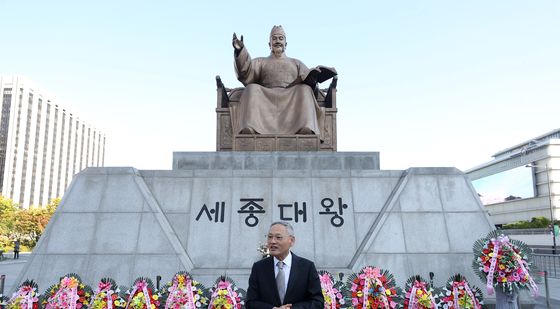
(237, 43)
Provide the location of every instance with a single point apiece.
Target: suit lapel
(270, 268)
(293, 275)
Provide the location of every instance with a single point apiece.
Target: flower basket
(458, 293)
(142, 295)
(106, 296)
(372, 288)
(419, 294)
(226, 295)
(504, 263)
(182, 292)
(69, 293)
(26, 297)
(333, 291)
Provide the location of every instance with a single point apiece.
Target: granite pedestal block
(210, 213)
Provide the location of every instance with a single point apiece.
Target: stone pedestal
(210, 213)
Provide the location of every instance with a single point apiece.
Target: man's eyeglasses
(277, 237)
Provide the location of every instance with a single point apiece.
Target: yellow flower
(117, 303)
(155, 297)
(504, 279)
(491, 254)
(418, 292)
(359, 294)
(502, 266)
(388, 292)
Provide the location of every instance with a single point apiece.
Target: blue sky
(425, 83)
(516, 182)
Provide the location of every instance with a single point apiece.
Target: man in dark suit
(283, 280)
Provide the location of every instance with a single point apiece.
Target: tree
(7, 211)
(27, 225)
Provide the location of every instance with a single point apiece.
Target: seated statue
(279, 95)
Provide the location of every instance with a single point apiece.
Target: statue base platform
(211, 212)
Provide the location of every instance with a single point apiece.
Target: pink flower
(371, 272)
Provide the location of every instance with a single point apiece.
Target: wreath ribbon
(412, 300)
(29, 299)
(326, 284)
(498, 243)
(171, 293)
(469, 292)
(525, 272)
(229, 294)
(143, 286)
(26, 293)
(372, 277)
(73, 296)
(503, 241)
(110, 299)
(190, 293)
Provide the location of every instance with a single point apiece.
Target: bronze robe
(275, 100)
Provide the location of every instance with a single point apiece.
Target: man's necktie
(281, 281)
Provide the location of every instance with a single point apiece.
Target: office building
(42, 144)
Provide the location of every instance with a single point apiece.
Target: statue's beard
(277, 50)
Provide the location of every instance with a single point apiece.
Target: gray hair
(285, 224)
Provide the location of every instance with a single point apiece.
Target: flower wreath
(26, 297)
(332, 291)
(504, 263)
(419, 294)
(184, 292)
(225, 295)
(457, 293)
(69, 293)
(372, 288)
(142, 295)
(106, 296)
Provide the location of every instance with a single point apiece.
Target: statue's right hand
(237, 43)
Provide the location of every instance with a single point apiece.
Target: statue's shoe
(248, 131)
(305, 131)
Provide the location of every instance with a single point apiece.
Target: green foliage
(7, 210)
(536, 222)
(27, 225)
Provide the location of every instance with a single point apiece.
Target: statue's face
(277, 43)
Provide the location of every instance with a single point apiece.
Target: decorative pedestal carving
(276, 143)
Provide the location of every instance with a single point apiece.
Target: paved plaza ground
(11, 269)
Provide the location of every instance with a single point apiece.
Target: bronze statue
(279, 95)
